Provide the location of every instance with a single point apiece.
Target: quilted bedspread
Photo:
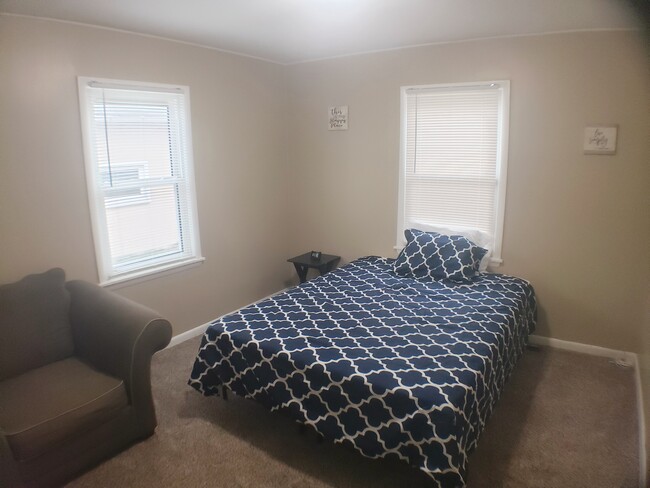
(389, 365)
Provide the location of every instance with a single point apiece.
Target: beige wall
(239, 156)
(576, 226)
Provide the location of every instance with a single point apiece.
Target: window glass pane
(141, 233)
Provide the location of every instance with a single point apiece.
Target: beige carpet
(564, 420)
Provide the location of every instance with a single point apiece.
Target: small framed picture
(338, 117)
(315, 255)
(600, 139)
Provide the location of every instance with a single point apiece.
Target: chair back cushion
(34, 323)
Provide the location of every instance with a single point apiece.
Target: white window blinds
(139, 171)
(453, 149)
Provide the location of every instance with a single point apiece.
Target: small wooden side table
(303, 262)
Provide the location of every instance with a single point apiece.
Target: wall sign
(338, 118)
(600, 139)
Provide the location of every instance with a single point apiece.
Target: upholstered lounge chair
(74, 377)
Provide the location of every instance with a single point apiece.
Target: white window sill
(151, 273)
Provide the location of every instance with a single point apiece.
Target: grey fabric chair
(74, 377)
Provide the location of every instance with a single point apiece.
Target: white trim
(142, 34)
(614, 354)
(188, 147)
(643, 466)
(324, 58)
(187, 335)
(402, 164)
(461, 41)
(196, 331)
(97, 217)
(582, 348)
(151, 273)
(502, 169)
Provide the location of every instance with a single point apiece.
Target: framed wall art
(600, 139)
(338, 118)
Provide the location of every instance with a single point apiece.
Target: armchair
(74, 377)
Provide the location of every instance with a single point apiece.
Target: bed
(389, 365)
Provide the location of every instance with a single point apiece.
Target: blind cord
(108, 151)
(415, 149)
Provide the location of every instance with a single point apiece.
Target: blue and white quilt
(392, 366)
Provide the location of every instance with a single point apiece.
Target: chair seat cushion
(45, 406)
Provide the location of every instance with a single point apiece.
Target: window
(453, 158)
(139, 172)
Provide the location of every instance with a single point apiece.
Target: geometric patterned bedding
(391, 366)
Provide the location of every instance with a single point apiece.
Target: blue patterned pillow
(433, 256)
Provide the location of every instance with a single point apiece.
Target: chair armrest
(118, 337)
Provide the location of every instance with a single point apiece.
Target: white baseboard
(614, 354)
(187, 335)
(643, 466)
(583, 348)
(196, 331)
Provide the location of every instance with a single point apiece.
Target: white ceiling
(292, 31)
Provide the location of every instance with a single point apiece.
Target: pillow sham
(433, 256)
(478, 237)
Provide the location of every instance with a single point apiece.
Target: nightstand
(303, 262)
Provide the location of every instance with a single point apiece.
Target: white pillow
(478, 237)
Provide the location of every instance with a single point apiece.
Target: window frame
(98, 208)
(501, 176)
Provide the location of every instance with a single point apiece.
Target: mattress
(391, 366)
